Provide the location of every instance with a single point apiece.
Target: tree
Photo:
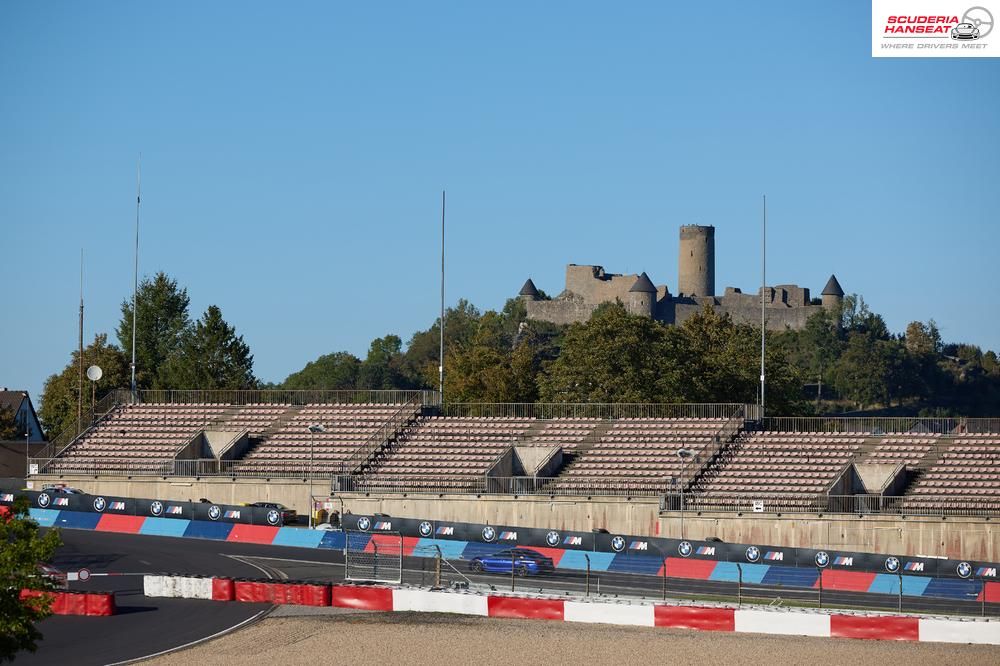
(381, 368)
(23, 550)
(211, 356)
(161, 324)
(10, 428)
(329, 372)
(58, 409)
(419, 364)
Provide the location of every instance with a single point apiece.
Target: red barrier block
(252, 533)
(688, 617)
(315, 595)
(223, 589)
(367, 598)
(72, 603)
(124, 524)
(532, 609)
(878, 628)
(100, 603)
(251, 591)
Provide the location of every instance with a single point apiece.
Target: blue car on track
(524, 561)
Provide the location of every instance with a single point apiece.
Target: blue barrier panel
(203, 529)
(791, 576)
(77, 520)
(357, 540)
(332, 541)
(293, 536)
(44, 517)
(913, 586)
(753, 574)
(450, 550)
(953, 588)
(640, 564)
(574, 559)
(172, 527)
(475, 549)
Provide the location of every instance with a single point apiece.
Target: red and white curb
(785, 621)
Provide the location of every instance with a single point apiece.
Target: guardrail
(592, 410)
(481, 485)
(908, 505)
(277, 396)
(878, 425)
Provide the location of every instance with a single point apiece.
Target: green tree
(161, 324)
(10, 428)
(23, 549)
(211, 356)
(381, 368)
(419, 364)
(59, 395)
(329, 372)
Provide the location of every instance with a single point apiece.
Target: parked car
(524, 561)
(62, 489)
(288, 516)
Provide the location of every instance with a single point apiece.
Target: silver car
(965, 31)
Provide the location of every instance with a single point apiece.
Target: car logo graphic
(552, 538)
(891, 564)
(618, 544)
(964, 569)
(425, 529)
(43, 500)
(273, 516)
(156, 508)
(753, 554)
(214, 512)
(489, 534)
(100, 504)
(822, 559)
(685, 548)
(364, 523)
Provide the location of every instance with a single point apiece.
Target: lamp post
(314, 429)
(684, 455)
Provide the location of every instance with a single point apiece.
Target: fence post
(820, 588)
(588, 574)
(900, 605)
(375, 559)
(664, 591)
(982, 591)
(513, 569)
(739, 586)
(437, 566)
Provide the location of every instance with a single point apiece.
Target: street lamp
(314, 429)
(685, 456)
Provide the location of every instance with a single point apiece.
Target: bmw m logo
(753, 554)
(489, 534)
(156, 508)
(685, 549)
(964, 569)
(891, 564)
(364, 523)
(43, 500)
(618, 544)
(425, 529)
(214, 512)
(100, 504)
(821, 559)
(273, 516)
(552, 538)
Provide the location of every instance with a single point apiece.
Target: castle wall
(595, 286)
(561, 311)
(777, 318)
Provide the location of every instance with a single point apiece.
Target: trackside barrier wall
(788, 622)
(77, 603)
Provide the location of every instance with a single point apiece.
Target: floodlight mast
(763, 283)
(441, 351)
(135, 275)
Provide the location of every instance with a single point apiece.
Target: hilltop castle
(786, 305)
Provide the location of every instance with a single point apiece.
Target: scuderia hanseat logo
(932, 28)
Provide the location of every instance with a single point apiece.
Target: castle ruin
(587, 287)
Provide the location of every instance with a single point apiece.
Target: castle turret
(642, 297)
(696, 263)
(528, 291)
(833, 295)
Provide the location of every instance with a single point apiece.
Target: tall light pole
(135, 275)
(314, 429)
(685, 456)
(763, 286)
(441, 355)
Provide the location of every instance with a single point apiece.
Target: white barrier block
(170, 586)
(956, 631)
(439, 602)
(152, 586)
(783, 623)
(637, 615)
(190, 587)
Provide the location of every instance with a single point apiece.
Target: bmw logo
(273, 517)
(43, 500)
(753, 554)
(100, 504)
(364, 523)
(156, 508)
(822, 559)
(964, 569)
(685, 548)
(552, 538)
(891, 564)
(489, 534)
(425, 529)
(618, 544)
(214, 512)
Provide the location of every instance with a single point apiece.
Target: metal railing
(481, 485)
(278, 397)
(909, 505)
(592, 410)
(377, 439)
(877, 425)
(74, 430)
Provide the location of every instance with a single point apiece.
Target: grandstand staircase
(258, 438)
(570, 456)
(712, 468)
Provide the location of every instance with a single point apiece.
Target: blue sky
(294, 153)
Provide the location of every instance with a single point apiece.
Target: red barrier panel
(315, 595)
(850, 581)
(534, 609)
(678, 567)
(874, 627)
(251, 591)
(368, 598)
(992, 593)
(110, 522)
(100, 603)
(223, 589)
(688, 617)
(252, 533)
(76, 603)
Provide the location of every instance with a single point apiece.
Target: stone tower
(528, 291)
(642, 297)
(696, 263)
(833, 294)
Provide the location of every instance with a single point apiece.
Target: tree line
(843, 361)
